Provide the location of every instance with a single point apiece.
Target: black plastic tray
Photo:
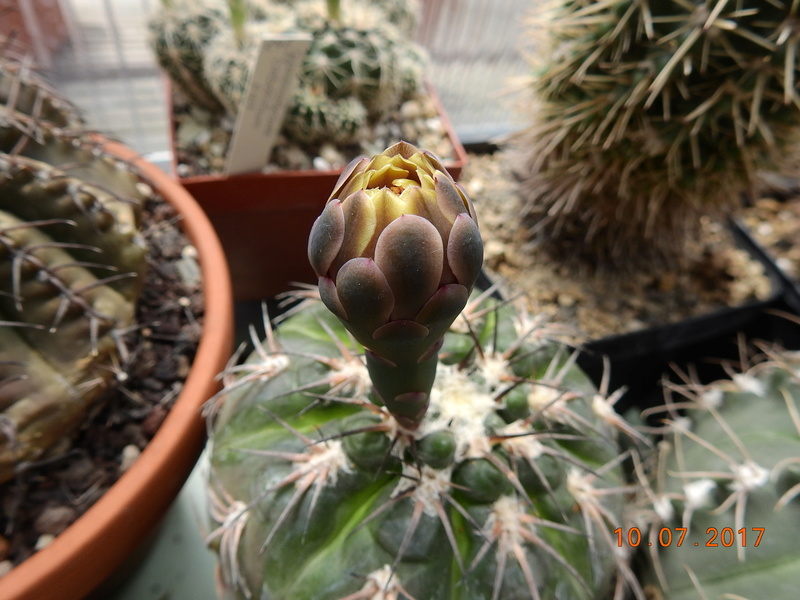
(639, 360)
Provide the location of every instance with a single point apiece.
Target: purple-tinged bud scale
(397, 251)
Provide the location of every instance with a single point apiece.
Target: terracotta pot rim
(99, 542)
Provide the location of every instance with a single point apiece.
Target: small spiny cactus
(180, 31)
(648, 114)
(362, 62)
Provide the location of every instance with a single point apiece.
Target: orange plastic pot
(101, 541)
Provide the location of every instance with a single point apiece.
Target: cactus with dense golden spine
(437, 460)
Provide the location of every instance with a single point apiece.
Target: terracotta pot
(263, 220)
(103, 539)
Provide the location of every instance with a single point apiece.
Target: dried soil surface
(47, 497)
(717, 272)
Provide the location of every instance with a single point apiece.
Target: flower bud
(397, 250)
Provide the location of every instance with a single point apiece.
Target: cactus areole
(397, 251)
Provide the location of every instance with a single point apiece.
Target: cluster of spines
(180, 32)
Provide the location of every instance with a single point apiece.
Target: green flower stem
(404, 388)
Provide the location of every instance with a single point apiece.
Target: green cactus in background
(315, 118)
(71, 267)
(726, 487)
(466, 460)
(180, 30)
(362, 62)
(230, 55)
(648, 114)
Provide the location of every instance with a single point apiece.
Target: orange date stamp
(676, 536)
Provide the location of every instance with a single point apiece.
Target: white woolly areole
(663, 508)
(579, 485)
(680, 424)
(459, 405)
(699, 493)
(428, 484)
(324, 461)
(749, 476)
(494, 369)
(545, 399)
(380, 585)
(520, 442)
(712, 398)
(748, 383)
(603, 409)
(275, 363)
(354, 375)
(505, 522)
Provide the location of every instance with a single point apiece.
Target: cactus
(726, 487)
(494, 473)
(229, 57)
(647, 115)
(316, 118)
(179, 33)
(362, 62)
(71, 267)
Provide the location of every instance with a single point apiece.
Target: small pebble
(5, 567)
(154, 420)
(320, 164)
(44, 541)
(54, 519)
(129, 455)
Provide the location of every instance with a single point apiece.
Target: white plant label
(265, 101)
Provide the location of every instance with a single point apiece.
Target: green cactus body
(229, 58)
(72, 263)
(180, 30)
(729, 474)
(647, 115)
(508, 489)
(97, 199)
(30, 108)
(359, 62)
(63, 260)
(315, 118)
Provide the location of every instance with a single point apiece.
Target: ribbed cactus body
(179, 32)
(72, 262)
(359, 62)
(729, 473)
(647, 115)
(358, 68)
(507, 489)
(314, 117)
(229, 59)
